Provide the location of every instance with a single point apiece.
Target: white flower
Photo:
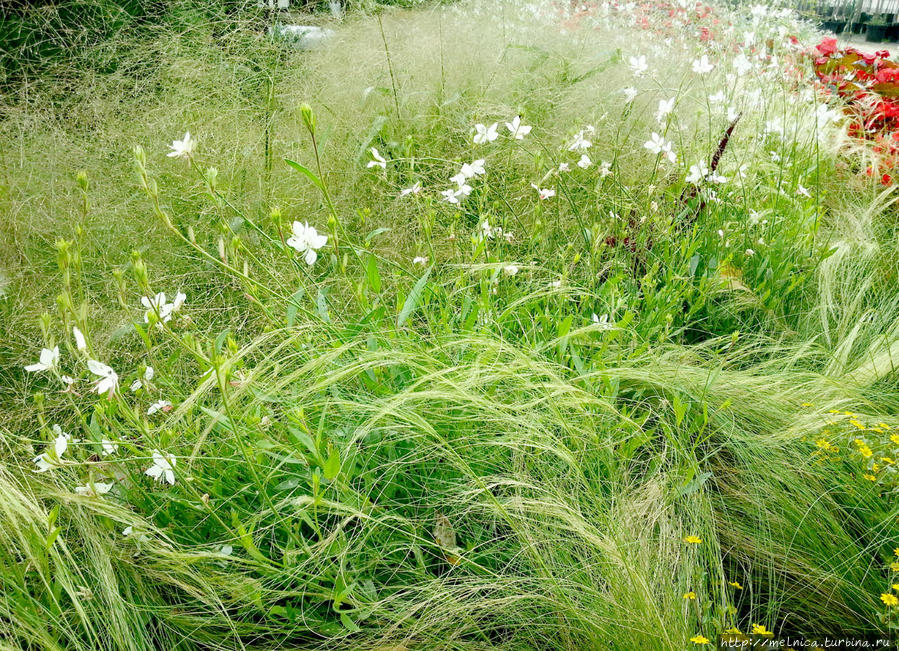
(510, 269)
(697, 173)
(450, 196)
(602, 321)
(605, 168)
(48, 360)
(67, 380)
(415, 189)
(80, 342)
(459, 179)
(750, 252)
(127, 531)
(162, 468)
(378, 160)
(60, 444)
(701, 66)
(630, 94)
(584, 162)
(108, 447)
(519, 130)
(472, 169)
(148, 375)
(108, 380)
(544, 193)
(638, 65)
(658, 145)
(420, 260)
(159, 405)
(564, 167)
(717, 98)
(801, 190)
(485, 134)
(580, 142)
(94, 489)
(159, 306)
(742, 65)
(227, 550)
(665, 107)
(182, 148)
(307, 241)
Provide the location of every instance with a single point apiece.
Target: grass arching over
(377, 453)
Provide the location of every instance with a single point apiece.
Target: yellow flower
(806, 404)
(699, 639)
(734, 631)
(896, 551)
(759, 629)
(858, 425)
(889, 599)
(847, 413)
(895, 438)
(690, 595)
(736, 585)
(869, 477)
(692, 540)
(887, 460)
(895, 587)
(833, 411)
(863, 448)
(894, 566)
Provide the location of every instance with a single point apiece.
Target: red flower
(827, 47)
(886, 179)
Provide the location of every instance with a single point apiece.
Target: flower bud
(81, 178)
(308, 117)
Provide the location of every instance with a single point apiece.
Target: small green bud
(308, 117)
(81, 178)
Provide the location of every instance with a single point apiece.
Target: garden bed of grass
(486, 326)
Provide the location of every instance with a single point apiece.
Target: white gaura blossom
(484, 134)
(518, 130)
(803, 191)
(378, 160)
(144, 381)
(163, 468)
(580, 142)
(564, 167)
(160, 306)
(108, 379)
(602, 321)
(630, 94)
(638, 65)
(659, 146)
(159, 405)
(702, 66)
(697, 173)
(80, 342)
(307, 241)
(544, 193)
(45, 460)
(665, 107)
(48, 360)
(108, 447)
(742, 65)
(474, 168)
(584, 162)
(94, 489)
(605, 168)
(182, 148)
(415, 189)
